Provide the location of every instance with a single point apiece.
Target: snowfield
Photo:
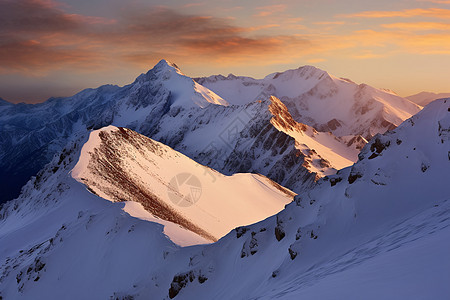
(118, 164)
(287, 187)
(377, 229)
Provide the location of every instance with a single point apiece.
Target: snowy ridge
(324, 153)
(32, 134)
(375, 218)
(166, 105)
(320, 100)
(387, 214)
(185, 92)
(246, 138)
(4, 102)
(55, 218)
(119, 164)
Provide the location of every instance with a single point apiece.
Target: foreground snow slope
(119, 164)
(392, 204)
(320, 100)
(378, 229)
(60, 228)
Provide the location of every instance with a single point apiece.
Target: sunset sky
(58, 47)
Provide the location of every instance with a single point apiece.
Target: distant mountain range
(425, 98)
(320, 100)
(110, 215)
(223, 122)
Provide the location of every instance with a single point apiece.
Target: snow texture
(376, 229)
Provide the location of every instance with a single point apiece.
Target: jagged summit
(323, 153)
(184, 91)
(161, 68)
(163, 63)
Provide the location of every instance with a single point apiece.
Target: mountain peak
(305, 72)
(164, 64)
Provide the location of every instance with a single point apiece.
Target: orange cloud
(418, 26)
(385, 43)
(265, 11)
(330, 23)
(29, 31)
(30, 56)
(440, 13)
(39, 36)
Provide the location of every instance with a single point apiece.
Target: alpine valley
(300, 185)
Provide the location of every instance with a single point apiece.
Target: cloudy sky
(58, 47)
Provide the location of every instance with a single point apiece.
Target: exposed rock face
(107, 167)
(181, 280)
(262, 141)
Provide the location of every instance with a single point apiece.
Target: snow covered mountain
(117, 177)
(260, 137)
(320, 100)
(170, 107)
(377, 229)
(119, 164)
(424, 98)
(32, 134)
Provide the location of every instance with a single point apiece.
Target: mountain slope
(171, 108)
(32, 134)
(119, 164)
(387, 214)
(378, 217)
(260, 137)
(320, 100)
(59, 212)
(424, 98)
